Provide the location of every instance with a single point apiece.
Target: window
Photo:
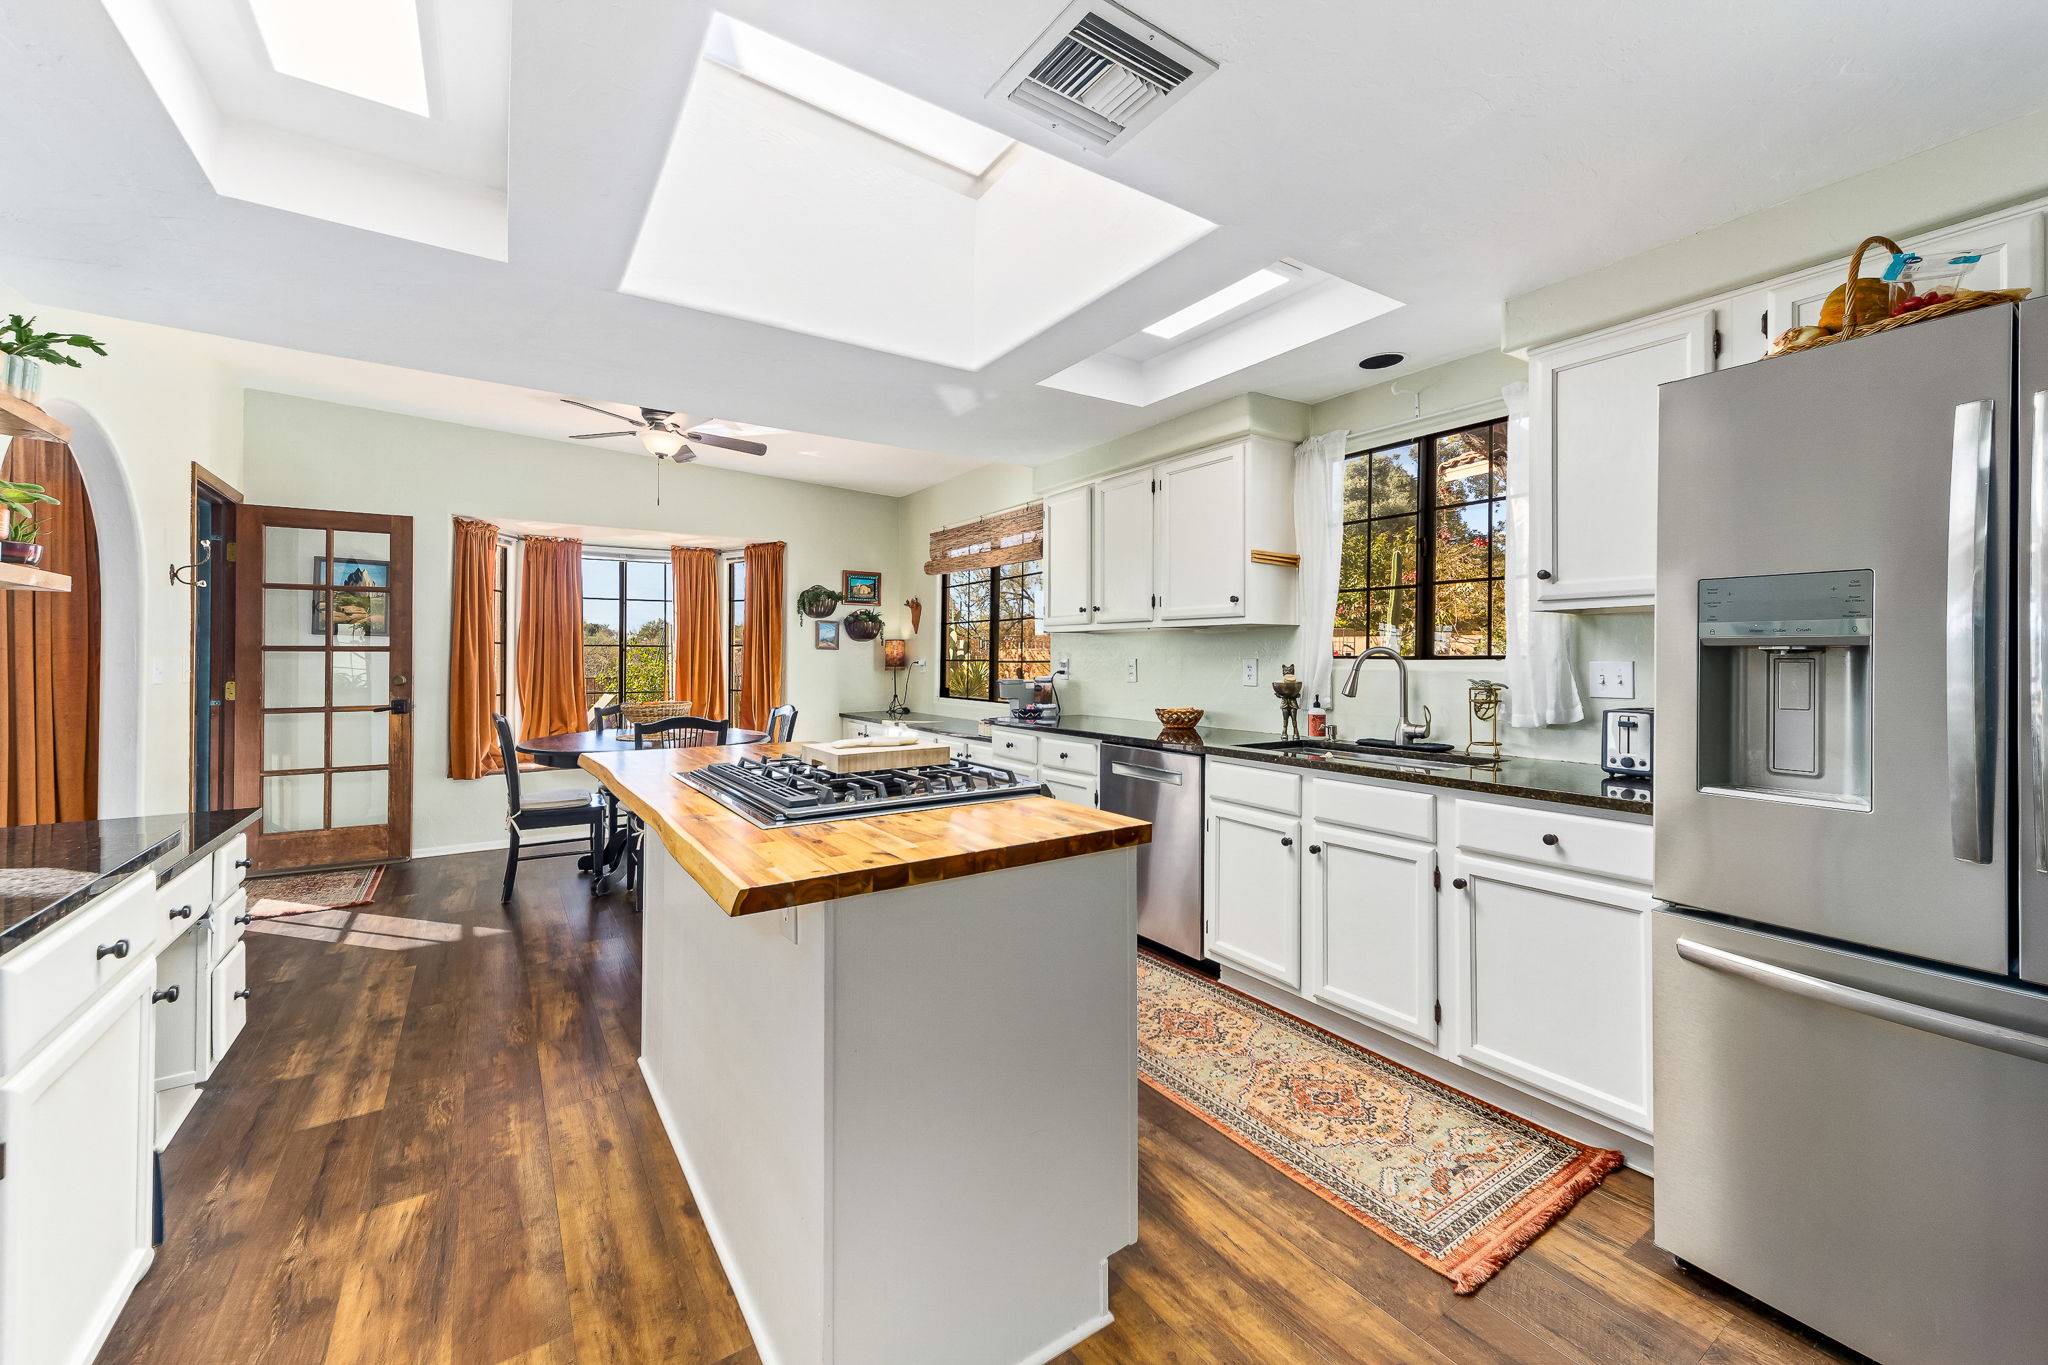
(1423, 571)
(735, 632)
(501, 633)
(626, 611)
(990, 629)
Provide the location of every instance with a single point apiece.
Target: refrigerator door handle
(1971, 727)
(1975, 1032)
(2037, 627)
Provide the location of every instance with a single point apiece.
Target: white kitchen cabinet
(2011, 247)
(1591, 474)
(1557, 984)
(230, 1000)
(1371, 911)
(1202, 554)
(78, 1120)
(1069, 786)
(1252, 889)
(1068, 549)
(1124, 551)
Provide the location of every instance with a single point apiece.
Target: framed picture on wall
(861, 589)
(357, 615)
(828, 634)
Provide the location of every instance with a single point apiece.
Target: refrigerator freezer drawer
(1856, 1142)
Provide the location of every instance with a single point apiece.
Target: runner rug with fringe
(1456, 1183)
(297, 893)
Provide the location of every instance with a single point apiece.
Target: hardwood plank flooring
(432, 1146)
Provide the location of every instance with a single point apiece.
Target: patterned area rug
(1456, 1183)
(298, 893)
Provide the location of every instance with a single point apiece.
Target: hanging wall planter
(817, 601)
(863, 625)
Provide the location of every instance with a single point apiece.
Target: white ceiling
(1445, 156)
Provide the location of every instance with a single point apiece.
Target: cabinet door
(230, 1000)
(1069, 549)
(1123, 549)
(180, 1024)
(1592, 475)
(2011, 249)
(1068, 786)
(1558, 976)
(1202, 553)
(1253, 891)
(75, 1205)
(1372, 911)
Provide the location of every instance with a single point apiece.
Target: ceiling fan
(664, 437)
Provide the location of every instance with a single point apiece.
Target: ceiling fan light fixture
(662, 442)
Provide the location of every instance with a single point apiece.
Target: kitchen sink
(1392, 755)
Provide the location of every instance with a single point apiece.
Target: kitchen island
(896, 1056)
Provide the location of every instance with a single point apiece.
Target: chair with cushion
(570, 810)
(782, 724)
(679, 732)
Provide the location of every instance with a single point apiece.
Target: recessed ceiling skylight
(1217, 304)
(846, 93)
(367, 48)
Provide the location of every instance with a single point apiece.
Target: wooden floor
(433, 1145)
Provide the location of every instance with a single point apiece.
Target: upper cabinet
(1171, 544)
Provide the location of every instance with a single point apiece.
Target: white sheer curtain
(1319, 536)
(1543, 685)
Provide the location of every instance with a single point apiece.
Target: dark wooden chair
(607, 714)
(679, 732)
(563, 810)
(782, 724)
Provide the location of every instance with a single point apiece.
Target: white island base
(913, 1130)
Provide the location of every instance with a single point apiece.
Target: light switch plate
(1130, 670)
(1611, 678)
(789, 922)
(1251, 672)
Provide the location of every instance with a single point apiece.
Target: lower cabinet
(230, 1000)
(1069, 786)
(1371, 916)
(79, 1120)
(1252, 886)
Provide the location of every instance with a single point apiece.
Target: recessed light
(1222, 301)
(1385, 360)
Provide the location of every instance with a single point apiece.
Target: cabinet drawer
(1069, 755)
(54, 975)
(1276, 789)
(980, 751)
(1012, 747)
(185, 898)
(1572, 843)
(230, 866)
(230, 1001)
(1384, 810)
(227, 923)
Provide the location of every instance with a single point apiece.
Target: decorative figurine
(1485, 698)
(1288, 690)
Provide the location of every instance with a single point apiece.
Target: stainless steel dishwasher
(1166, 789)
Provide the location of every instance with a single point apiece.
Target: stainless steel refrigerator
(1851, 1026)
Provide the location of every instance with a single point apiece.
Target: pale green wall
(2003, 165)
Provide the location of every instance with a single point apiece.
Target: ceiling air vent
(1099, 74)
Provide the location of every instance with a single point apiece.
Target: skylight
(1217, 304)
(845, 93)
(367, 48)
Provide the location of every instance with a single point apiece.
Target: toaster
(1625, 738)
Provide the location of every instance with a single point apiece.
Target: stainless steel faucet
(1406, 731)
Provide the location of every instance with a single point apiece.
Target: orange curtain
(472, 663)
(696, 676)
(551, 637)
(50, 655)
(761, 659)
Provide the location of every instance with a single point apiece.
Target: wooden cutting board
(854, 755)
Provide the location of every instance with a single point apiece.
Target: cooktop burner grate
(790, 791)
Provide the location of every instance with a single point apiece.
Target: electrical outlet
(1251, 672)
(1061, 669)
(1130, 670)
(1611, 678)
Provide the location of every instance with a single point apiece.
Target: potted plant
(863, 624)
(818, 601)
(19, 543)
(28, 350)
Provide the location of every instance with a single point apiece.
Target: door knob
(398, 706)
(1543, 574)
(1233, 599)
(167, 993)
(1315, 848)
(182, 912)
(1286, 842)
(242, 995)
(1457, 883)
(118, 948)
(1550, 840)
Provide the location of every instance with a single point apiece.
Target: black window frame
(1428, 507)
(735, 632)
(620, 598)
(1029, 569)
(500, 647)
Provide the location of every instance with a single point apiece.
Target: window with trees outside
(627, 606)
(1423, 570)
(501, 621)
(990, 629)
(735, 632)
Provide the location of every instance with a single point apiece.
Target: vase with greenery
(817, 601)
(27, 351)
(20, 535)
(863, 624)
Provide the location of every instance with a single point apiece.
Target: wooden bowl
(1178, 717)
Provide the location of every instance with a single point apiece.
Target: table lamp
(896, 658)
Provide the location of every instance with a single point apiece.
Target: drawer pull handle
(1233, 599)
(182, 912)
(1457, 883)
(243, 862)
(242, 994)
(1550, 840)
(168, 993)
(118, 948)
(1286, 842)
(1543, 574)
(245, 918)
(1315, 848)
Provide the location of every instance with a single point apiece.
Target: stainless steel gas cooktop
(774, 792)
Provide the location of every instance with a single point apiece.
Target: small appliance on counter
(1030, 699)
(1625, 736)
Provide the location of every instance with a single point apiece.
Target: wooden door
(1070, 557)
(1123, 548)
(1254, 891)
(1372, 916)
(324, 661)
(1202, 553)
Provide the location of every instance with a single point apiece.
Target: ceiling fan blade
(615, 416)
(601, 435)
(712, 438)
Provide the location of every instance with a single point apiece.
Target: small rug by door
(297, 893)
(1456, 1183)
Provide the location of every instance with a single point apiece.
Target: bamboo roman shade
(1010, 537)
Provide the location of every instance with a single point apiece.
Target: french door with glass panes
(324, 662)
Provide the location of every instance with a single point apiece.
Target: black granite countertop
(959, 727)
(50, 871)
(1142, 734)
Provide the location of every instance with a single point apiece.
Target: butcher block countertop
(747, 869)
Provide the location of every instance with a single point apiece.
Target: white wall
(303, 453)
